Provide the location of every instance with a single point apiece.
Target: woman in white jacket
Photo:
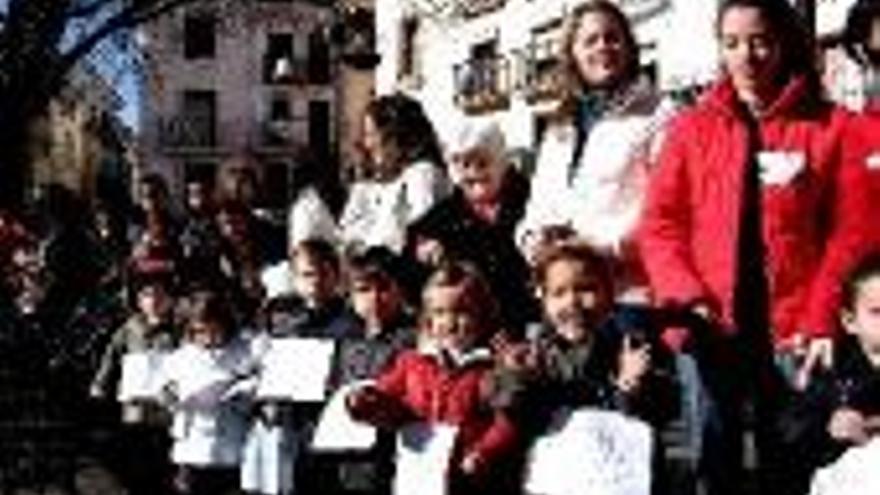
(593, 162)
(408, 175)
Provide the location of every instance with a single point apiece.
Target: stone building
(79, 142)
(255, 83)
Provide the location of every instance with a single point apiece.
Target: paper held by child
(612, 452)
(296, 369)
(141, 376)
(423, 453)
(854, 473)
(337, 431)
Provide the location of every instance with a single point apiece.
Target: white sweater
(602, 200)
(209, 426)
(378, 213)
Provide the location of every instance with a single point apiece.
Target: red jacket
(862, 149)
(418, 387)
(812, 219)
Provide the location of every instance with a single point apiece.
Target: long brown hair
(571, 82)
(796, 44)
(405, 132)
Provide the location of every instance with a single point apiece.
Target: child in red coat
(446, 382)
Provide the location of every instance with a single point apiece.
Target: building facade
(253, 83)
(79, 142)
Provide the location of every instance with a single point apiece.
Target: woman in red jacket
(862, 141)
(747, 223)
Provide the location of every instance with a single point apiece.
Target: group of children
(450, 362)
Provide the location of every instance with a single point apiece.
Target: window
(409, 29)
(319, 128)
(319, 58)
(199, 40)
(278, 61)
(277, 181)
(199, 117)
(279, 108)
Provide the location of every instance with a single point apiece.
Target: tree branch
(88, 9)
(134, 15)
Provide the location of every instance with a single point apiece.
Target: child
(149, 328)
(210, 419)
(587, 353)
(841, 406)
(386, 329)
(274, 457)
(444, 382)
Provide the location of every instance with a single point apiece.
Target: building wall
(71, 141)
(236, 74)
(446, 39)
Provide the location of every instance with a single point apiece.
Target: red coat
(811, 228)
(862, 148)
(417, 387)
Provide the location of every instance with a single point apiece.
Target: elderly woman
(477, 222)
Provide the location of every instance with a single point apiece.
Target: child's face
(377, 300)
(206, 333)
(316, 282)
(153, 301)
(575, 300)
(864, 319)
(452, 319)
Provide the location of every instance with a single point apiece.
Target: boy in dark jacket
(841, 406)
(144, 441)
(375, 281)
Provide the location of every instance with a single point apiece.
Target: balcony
(541, 71)
(188, 134)
(476, 8)
(277, 137)
(483, 85)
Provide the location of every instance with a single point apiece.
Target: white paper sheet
(854, 473)
(422, 463)
(141, 376)
(603, 452)
(337, 430)
(296, 369)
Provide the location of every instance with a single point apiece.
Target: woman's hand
(848, 425)
(819, 353)
(633, 364)
(429, 251)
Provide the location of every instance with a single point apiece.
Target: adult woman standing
(407, 175)
(593, 164)
(747, 223)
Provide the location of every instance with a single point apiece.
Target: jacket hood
(796, 96)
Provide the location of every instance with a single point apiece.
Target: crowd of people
(725, 249)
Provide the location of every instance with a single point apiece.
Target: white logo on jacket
(873, 161)
(778, 168)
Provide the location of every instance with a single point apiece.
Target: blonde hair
(570, 79)
(472, 286)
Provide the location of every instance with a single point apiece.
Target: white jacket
(378, 213)
(210, 420)
(602, 200)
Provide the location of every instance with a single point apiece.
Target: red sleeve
(847, 236)
(387, 407)
(500, 439)
(664, 234)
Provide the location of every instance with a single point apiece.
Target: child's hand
(366, 398)
(472, 464)
(848, 425)
(633, 363)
